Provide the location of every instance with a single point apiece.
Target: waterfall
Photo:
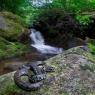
(39, 3)
(36, 37)
(39, 44)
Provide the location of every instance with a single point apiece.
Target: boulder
(74, 75)
(11, 27)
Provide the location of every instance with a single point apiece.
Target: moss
(91, 45)
(10, 89)
(92, 48)
(13, 32)
(12, 26)
(13, 17)
(9, 49)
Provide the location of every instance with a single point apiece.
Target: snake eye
(39, 78)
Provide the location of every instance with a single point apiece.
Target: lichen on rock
(74, 75)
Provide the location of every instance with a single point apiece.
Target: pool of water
(13, 64)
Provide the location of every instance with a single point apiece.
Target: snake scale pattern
(36, 80)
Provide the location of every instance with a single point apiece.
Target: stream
(41, 53)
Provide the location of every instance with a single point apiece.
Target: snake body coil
(36, 80)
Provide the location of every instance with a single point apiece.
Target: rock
(11, 27)
(74, 75)
(12, 49)
(3, 24)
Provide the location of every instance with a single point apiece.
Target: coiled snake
(36, 79)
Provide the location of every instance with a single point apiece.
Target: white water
(39, 44)
(39, 3)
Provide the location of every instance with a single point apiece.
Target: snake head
(48, 69)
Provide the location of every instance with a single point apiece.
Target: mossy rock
(11, 49)
(12, 17)
(74, 75)
(10, 26)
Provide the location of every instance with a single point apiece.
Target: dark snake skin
(36, 80)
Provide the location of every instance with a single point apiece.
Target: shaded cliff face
(11, 27)
(74, 75)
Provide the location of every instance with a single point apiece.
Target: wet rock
(74, 75)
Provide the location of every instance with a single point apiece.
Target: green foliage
(83, 20)
(91, 45)
(12, 5)
(92, 48)
(25, 8)
(20, 7)
(75, 7)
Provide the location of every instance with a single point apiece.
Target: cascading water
(39, 3)
(39, 44)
